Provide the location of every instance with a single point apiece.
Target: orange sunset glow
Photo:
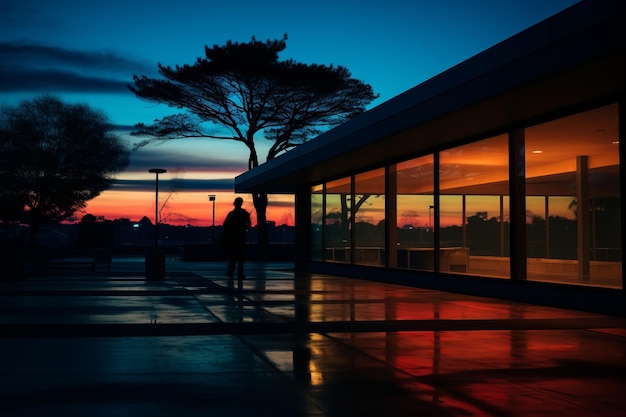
(195, 169)
(183, 208)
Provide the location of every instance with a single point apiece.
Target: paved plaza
(78, 343)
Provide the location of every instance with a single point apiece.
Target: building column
(435, 208)
(517, 204)
(352, 219)
(302, 243)
(583, 217)
(621, 119)
(435, 226)
(391, 216)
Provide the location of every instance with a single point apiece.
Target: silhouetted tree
(54, 157)
(241, 91)
(409, 218)
(483, 234)
(89, 218)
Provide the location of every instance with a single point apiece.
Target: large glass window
(337, 221)
(369, 217)
(414, 213)
(573, 199)
(573, 224)
(317, 219)
(474, 208)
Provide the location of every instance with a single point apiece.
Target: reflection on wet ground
(286, 344)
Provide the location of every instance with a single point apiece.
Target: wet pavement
(287, 344)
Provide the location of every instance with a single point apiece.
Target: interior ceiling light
(537, 151)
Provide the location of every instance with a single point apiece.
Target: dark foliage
(241, 91)
(54, 157)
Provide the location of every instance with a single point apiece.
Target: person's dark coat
(235, 226)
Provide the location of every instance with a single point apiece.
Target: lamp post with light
(155, 259)
(156, 171)
(430, 217)
(212, 199)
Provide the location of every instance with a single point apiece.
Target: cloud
(123, 129)
(175, 185)
(185, 159)
(286, 203)
(27, 67)
(22, 79)
(44, 56)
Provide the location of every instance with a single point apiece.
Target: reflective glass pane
(414, 213)
(369, 212)
(474, 208)
(337, 221)
(573, 199)
(317, 219)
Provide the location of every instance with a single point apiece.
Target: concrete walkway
(286, 344)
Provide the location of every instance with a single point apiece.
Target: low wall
(601, 272)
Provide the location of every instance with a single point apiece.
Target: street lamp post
(430, 217)
(156, 171)
(212, 199)
(155, 258)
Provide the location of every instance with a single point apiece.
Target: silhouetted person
(234, 237)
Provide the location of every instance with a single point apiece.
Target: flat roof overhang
(572, 59)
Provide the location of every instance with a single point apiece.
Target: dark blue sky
(91, 50)
(85, 51)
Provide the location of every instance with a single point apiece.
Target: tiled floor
(286, 344)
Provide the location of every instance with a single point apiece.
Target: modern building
(501, 176)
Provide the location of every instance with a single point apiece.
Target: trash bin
(12, 259)
(155, 264)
